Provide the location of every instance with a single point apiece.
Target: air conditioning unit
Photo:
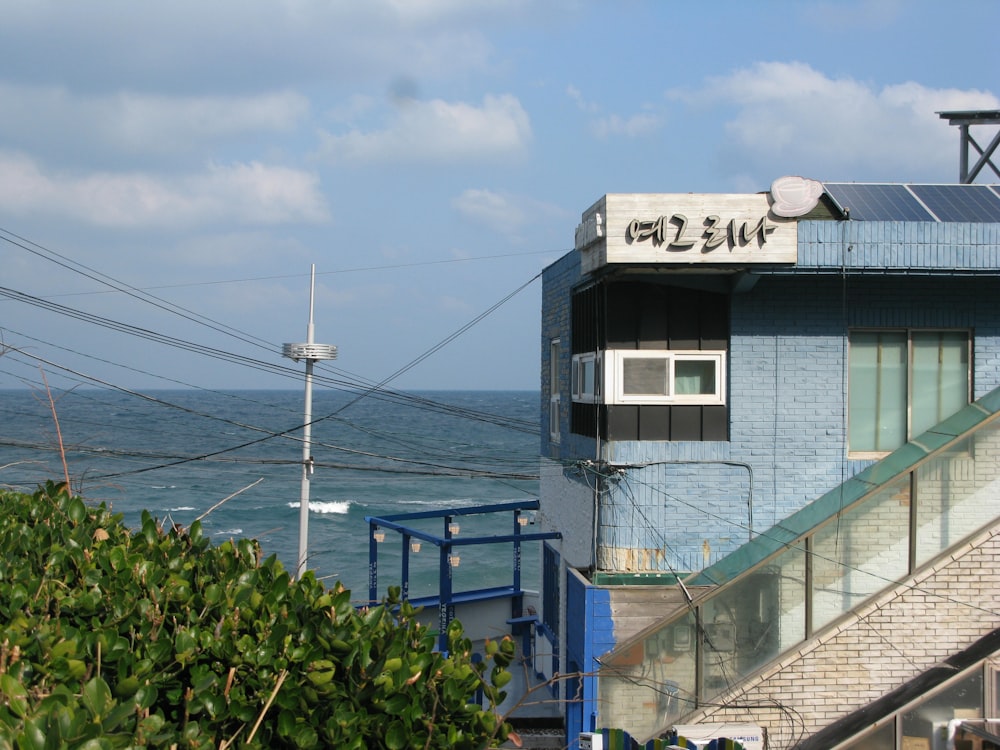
(751, 736)
(591, 741)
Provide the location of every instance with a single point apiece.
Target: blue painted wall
(687, 504)
(589, 634)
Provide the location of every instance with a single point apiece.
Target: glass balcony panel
(929, 719)
(748, 625)
(862, 552)
(883, 738)
(958, 492)
(650, 687)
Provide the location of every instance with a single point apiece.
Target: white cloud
(792, 118)
(227, 45)
(496, 211)
(251, 194)
(439, 131)
(583, 104)
(614, 125)
(847, 16)
(153, 121)
(503, 213)
(143, 123)
(632, 127)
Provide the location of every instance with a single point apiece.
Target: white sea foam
(183, 507)
(228, 532)
(315, 506)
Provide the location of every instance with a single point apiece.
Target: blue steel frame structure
(447, 597)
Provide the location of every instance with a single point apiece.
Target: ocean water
(178, 454)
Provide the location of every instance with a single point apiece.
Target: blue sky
(431, 157)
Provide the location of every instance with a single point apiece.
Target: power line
(170, 461)
(116, 285)
(282, 277)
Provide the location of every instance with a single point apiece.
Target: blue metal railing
(446, 543)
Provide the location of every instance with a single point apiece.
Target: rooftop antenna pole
(311, 352)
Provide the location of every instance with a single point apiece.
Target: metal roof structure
(964, 120)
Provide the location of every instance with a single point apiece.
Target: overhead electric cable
(269, 434)
(160, 338)
(141, 295)
(281, 277)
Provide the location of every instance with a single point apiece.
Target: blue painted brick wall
(695, 502)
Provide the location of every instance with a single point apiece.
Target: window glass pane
(554, 348)
(930, 719)
(877, 390)
(587, 374)
(994, 707)
(644, 375)
(694, 377)
(940, 377)
(883, 738)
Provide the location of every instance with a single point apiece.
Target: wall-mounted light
(379, 535)
(453, 528)
(454, 560)
(522, 520)
(414, 546)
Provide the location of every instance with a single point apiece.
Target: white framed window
(587, 377)
(654, 376)
(650, 376)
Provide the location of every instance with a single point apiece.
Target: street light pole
(311, 352)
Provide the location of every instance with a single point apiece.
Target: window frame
(609, 377)
(908, 332)
(615, 372)
(580, 394)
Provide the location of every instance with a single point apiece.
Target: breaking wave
(333, 506)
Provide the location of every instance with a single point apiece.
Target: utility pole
(311, 352)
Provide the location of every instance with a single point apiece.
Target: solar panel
(877, 202)
(960, 202)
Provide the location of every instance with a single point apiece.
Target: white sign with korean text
(655, 228)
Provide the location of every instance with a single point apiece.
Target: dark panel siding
(643, 315)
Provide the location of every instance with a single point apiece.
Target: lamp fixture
(453, 528)
(379, 535)
(454, 560)
(414, 546)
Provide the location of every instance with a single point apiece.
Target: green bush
(111, 637)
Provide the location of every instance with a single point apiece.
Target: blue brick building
(713, 364)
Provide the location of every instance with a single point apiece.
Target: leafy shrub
(111, 637)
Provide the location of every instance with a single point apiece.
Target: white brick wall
(874, 650)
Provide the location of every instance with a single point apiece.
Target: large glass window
(901, 382)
